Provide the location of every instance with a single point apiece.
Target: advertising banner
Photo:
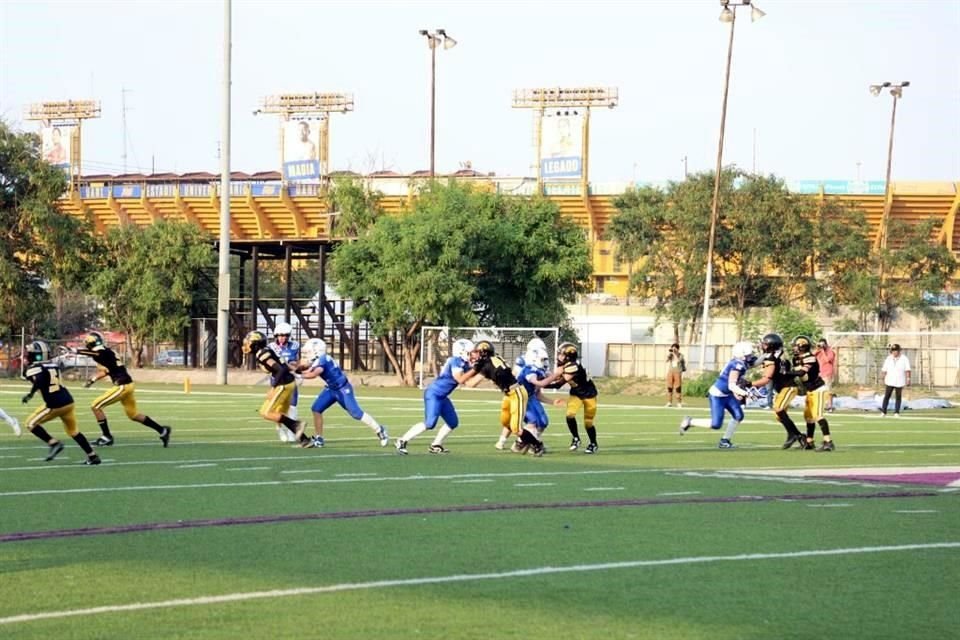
(56, 144)
(561, 146)
(301, 150)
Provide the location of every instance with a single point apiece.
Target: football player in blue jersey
(726, 394)
(57, 403)
(533, 376)
(521, 361)
(437, 405)
(319, 364)
(289, 352)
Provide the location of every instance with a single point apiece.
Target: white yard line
(273, 483)
(459, 578)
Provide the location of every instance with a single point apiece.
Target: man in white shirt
(896, 376)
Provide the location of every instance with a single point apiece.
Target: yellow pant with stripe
(816, 402)
(513, 408)
(122, 393)
(589, 409)
(278, 399)
(67, 415)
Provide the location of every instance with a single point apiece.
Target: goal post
(934, 356)
(509, 342)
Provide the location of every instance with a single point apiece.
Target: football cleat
(826, 446)
(500, 446)
(685, 424)
(54, 451)
(591, 448)
(103, 441)
(574, 444)
(384, 438)
(791, 440)
(92, 460)
(539, 450)
(438, 448)
(317, 442)
(807, 444)
(401, 446)
(165, 436)
(726, 444)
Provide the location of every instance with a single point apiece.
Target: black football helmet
(802, 345)
(771, 343)
(567, 352)
(94, 341)
(37, 351)
(485, 348)
(253, 342)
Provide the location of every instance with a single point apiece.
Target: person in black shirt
(57, 402)
(812, 386)
(283, 384)
(513, 408)
(122, 390)
(777, 370)
(583, 393)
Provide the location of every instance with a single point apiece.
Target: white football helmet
(536, 357)
(462, 348)
(536, 343)
(314, 348)
(283, 329)
(743, 350)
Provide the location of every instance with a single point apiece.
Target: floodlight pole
(727, 15)
(223, 280)
(715, 205)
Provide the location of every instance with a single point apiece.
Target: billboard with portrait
(56, 145)
(561, 146)
(301, 150)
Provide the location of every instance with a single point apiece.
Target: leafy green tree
(147, 279)
(763, 230)
(459, 257)
(915, 268)
(844, 263)
(357, 206)
(40, 247)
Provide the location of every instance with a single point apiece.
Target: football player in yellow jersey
(513, 408)
(583, 393)
(57, 403)
(282, 385)
(122, 391)
(776, 370)
(811, 385)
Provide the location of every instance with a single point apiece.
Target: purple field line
(376, 513)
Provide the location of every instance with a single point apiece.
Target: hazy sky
(798, 94)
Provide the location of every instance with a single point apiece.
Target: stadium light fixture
(727, 15)
(435, 38)
(896, 90)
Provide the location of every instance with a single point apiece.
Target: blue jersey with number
(332, 374)
(289, 352)
(721, 386)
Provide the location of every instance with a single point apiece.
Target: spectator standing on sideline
(896, 376)
(676, 366)
(827, 358)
